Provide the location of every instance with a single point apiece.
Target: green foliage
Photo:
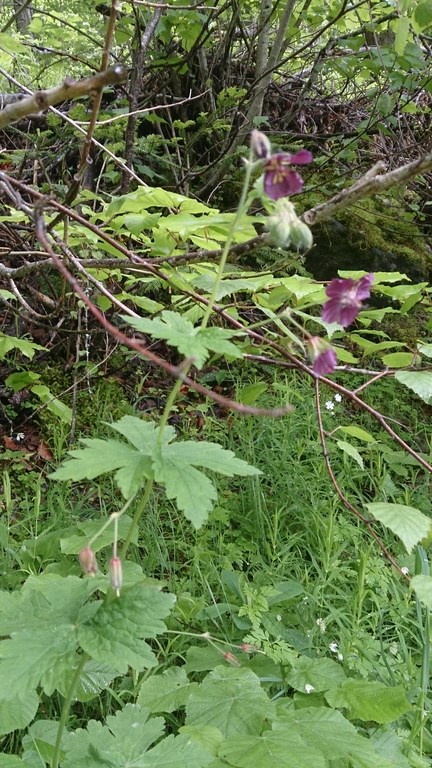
(153, 454)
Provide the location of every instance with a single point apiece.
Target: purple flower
(280, 180)
(345, 299)
(322, 355)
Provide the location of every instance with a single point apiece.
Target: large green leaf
(18, 713)
(115, 634)
(408, 523)
(370, 700)
(127, 739)
(231, 700)
(282, 748)
(330, 733)
(419, 381)
(321, 674)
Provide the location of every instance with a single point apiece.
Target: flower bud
(228, 656)
(301, 236)
(88, 561)
(116, 574)
(260, 145)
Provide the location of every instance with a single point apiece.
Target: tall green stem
(66, 708)
(242, 208)
(142, 504)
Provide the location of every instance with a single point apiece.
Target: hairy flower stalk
(116, 574)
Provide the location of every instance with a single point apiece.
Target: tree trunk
(23, 14)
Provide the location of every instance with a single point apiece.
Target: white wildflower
(338, 397)
(329, 404)
(334, 647)
(322, 625)
(309, 688)
(405, 570)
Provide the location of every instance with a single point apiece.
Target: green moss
(377, 234)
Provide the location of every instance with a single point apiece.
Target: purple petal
(335, 311)
(302, 157)
(282, 183)
(363, 286)
(339, 287)
(325, 362)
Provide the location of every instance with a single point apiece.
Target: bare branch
(70, 89)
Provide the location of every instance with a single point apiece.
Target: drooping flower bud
(116, 573)
(260, 145)
(231, 659)
(88, 561)
(322, 356)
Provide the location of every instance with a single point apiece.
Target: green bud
(301, 236)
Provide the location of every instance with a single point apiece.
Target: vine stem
(66, 708)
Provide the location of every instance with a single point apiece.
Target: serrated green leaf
(125, 740)
(321, 674)
(194, 493)
(281, 748)
(97, 458)
(115, 635)
(422, 586)
(408, 523)
(209, 455)
(27, 348)
(166, 692)
(369, 700)
(328, 732)
(195, 343)
(17, 713)
(231, 700)
(59, 409)
(419, 382)
(350, 451)
(38, 743)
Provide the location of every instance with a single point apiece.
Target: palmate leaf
(178, 331)
(192, 490)
(17, 713)
(173, 464)
(127, 739)
(231, 700)
(115, 635)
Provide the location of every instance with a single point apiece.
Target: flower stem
(242, 208)
(66, 708)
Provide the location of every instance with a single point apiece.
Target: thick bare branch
(69, 89)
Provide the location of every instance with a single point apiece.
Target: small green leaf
(350, 451)
(422, 586)
(398, 359)
(425, 349)
(419, 381)
(358, 432)
(59, 409)
(408, 523)
(251, 392)
(370, 700)
(402, 26)
(27, 348)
